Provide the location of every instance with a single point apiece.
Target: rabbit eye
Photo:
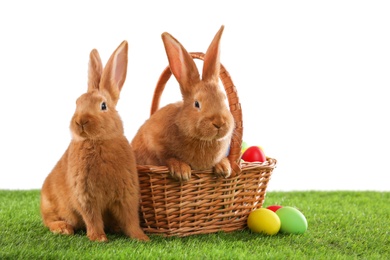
(103, 106)
(197, 104)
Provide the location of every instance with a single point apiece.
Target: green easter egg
(292, 220)
(244, 146)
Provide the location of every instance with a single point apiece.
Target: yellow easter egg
(264, 221)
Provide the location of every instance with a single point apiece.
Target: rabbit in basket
(194, 133)
(94, 186)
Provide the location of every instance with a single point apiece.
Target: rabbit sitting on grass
(95, 183)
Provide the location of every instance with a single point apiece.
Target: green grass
(342, 225)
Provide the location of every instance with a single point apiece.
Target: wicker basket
(204, 204)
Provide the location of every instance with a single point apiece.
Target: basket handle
(234, 105)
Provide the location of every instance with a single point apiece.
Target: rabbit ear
(115, 71)
(95, 69)
(211, 63)
(181, 63)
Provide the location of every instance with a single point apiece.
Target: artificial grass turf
(342, 225)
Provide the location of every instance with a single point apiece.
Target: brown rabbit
(194, 133)
(95, 183)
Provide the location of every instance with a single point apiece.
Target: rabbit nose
(82, 122)
(216, 126)
(218, 122)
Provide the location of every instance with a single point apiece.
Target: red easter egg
(254, 154)
(274, 208)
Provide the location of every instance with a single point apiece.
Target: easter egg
(274, 208)
(263, 221)
(253, 154)
(292, 220)
(244, 146)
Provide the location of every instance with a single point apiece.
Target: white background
(313, 79)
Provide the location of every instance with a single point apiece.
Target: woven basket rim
(269, 163)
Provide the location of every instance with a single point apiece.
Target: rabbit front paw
(223, 168)
(98, 237)
(141, 237)
(179, 170)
